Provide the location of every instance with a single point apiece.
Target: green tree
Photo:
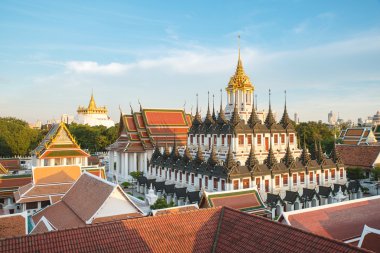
(136, 174)
(313, 131)
(16, 137)
(161, 203)
(355, 173)
(376, 173)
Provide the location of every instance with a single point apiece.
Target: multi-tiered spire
(212, 160)
(197, 119)
(199, 156)
(335, 156)
(230, 161)
(213, 108)
(187, 156)
(251, 160)
(270, 121)
(305, 156)
(288, 159)
(221, 117)
(235, 118)
(285, 120)
(271, 160)
(208, 120)
(253, 119)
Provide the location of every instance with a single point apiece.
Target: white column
(134, 164)
(125, 165)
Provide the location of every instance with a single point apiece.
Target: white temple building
(93, 115)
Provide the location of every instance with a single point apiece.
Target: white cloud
(341, 76)
(96, 68)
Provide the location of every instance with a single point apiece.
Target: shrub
(161, 203)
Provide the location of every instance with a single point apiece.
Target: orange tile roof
(205, 230)
(13, 225)
(177, 209)
(341, 221)
(358, 156)
(10, 164)
(56, 174)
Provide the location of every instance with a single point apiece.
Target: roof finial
(269, 100)
(197, 102)
(239, 45)
(121, 111)
(138, 100)
(208, 101)
(184, 107)
(130, 105)
(285, 97)
(221, 99)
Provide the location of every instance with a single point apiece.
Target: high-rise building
(331, 118)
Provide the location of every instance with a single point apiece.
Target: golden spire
(240, 79)
(92, 104)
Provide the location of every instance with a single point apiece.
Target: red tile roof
(342, 221)
(358, 156)
(205, 230)
(13, 225)
(11, 164)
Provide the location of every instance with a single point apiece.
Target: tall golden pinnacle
(240, 79)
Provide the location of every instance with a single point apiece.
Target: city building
(331, 118)
(139, 132)
(340, 221)
(93, 115)
(205, 230)
(89, 200)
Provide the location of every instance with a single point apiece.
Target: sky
(53, 54)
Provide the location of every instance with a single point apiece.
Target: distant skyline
(326, 54)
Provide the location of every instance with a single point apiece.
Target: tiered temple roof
(140, 130)
(58, 143)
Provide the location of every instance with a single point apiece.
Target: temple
(243, 152)
(93, 115)
(139, 132)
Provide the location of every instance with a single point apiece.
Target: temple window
(241, 140)
(215, 136)
(223, 185)
(311, 177)
(216, 183)
(191, 139)
(31, 205)
(295, 179)
(291, 138)
(285, 179)
(302, 178)
(258, 183)
(45, 203)
(341, 173)
(317, 178)
(282, 138)
(245, 183)
(170, 174)
(203, 139)
(276, 138)
(206, 182)
(236, 184)
(192, 179)
(326, 175)
(187, 178)
(267, 185)
(160, 172)
(229, 139)
(180, 176)
(259, 139)
(249, 138)
(222, 137)
(277, 181)
(176, 175)
(333, 174)
(200, 183)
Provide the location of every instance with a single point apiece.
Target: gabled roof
(246, 200)
(206, 230)
(81, 204)
(10, 183)
(140, 130)
(342, 221)
(58, 143)
(176, 209)
(359, 156)
(13, 225)
(370, 239)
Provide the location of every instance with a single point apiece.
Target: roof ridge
(215, 243)
(300, 230)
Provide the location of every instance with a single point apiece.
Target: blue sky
(326, 54)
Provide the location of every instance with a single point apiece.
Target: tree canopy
(17, 138)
